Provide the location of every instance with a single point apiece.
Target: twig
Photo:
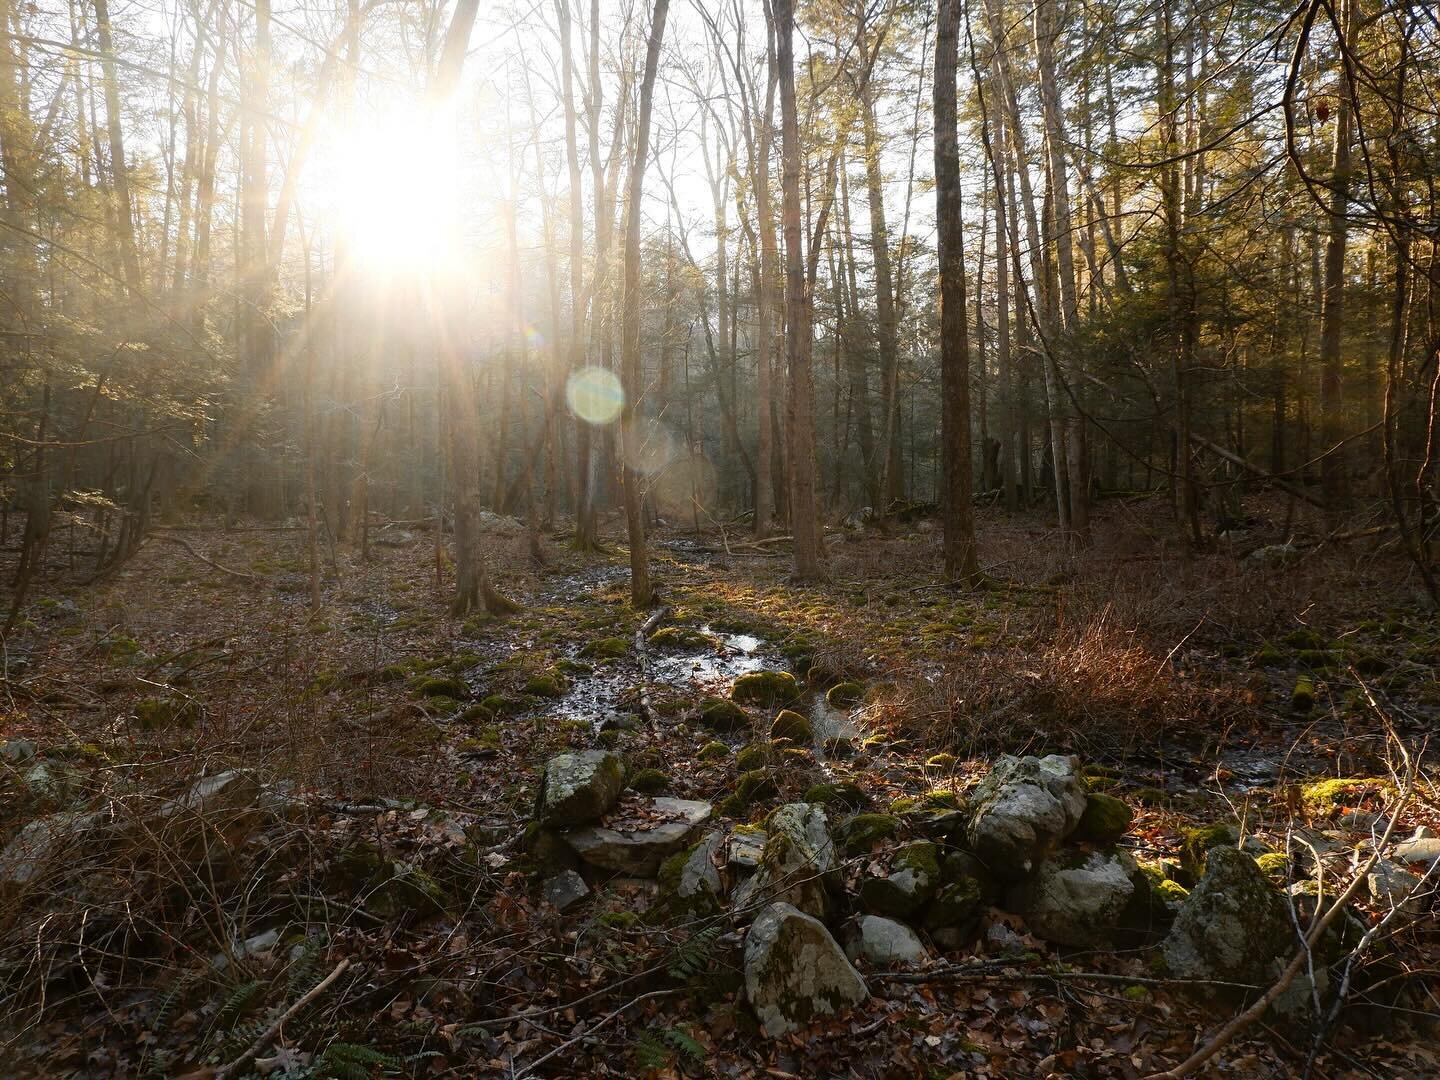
(236, 1066)
(642, 651)
(530, 1069)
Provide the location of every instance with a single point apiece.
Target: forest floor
(1207, 688)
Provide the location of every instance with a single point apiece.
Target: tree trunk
(630, 416)
(961, 564)
(800, 399)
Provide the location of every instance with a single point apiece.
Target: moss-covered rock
(1304, 638)
(1196, 844)
(609, 648)
(954, 905)
(545, 685)
(505, 704)
(913, 878)
(576, 789)
(940, 762)
(844, 695)
(791, 725)
(1324, 797)
(714, 751)
(1302, 698)
(436, 686)
(863, 831)
(1275, 866)
(649, 781)
(1268, 656)
(157, 714)
(721, 715)
(755, 756)
(842, 793)
(765, 688)
(750, 788)
(1150, 796)
(682, 637)
(1105, 819)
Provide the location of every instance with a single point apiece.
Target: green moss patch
(844, 695)
(765, 688)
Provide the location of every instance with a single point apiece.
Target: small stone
(746, 848)
(765, 688)
(884, 941)
(1391, 885)
(795, 973)
(565, 890)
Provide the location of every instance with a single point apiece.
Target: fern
(692, 956)
(351, 1061)
(236, 1002)
(304, 972)
(652, 1051)
(178, 989)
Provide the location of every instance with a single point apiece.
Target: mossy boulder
(505, 704)
(911, 883)
(545, 685)
(721, 715)
(1150, 796)
(765, 688)
(690, 885)
(1197, 843)
(1078, 898)
(1105, 819)
(579, 788)
(1235, 927)
(791, 725)
(940, 762)
(714, 751)
(1275, 866)
(1022, 810)
(795, 972)
(842, 793)
(1302, 697)
(649, 781)
(609, 648)
(798, 864)
(844, 695)
(862, 832)
(1304, 638)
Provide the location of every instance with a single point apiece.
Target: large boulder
(1235, 927)
(216, 812)
(1022, 810)
(795, 972)
(639, 850)
(884, 941)
(45, 844)
(577, 789)
(1079, 899)
(798, 860)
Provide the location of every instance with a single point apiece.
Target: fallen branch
(642, 637)
(1239, 1023)
(238, 1065)
(242, 576)
(1236, 459)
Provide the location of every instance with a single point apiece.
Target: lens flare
(595, 395)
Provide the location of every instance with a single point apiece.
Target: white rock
(1022, 810)
(576, 789)
(1391, 885)
(885, 941)
(795, 973)
(44, 844)
(1079, 902)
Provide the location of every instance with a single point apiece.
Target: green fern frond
(693, 955)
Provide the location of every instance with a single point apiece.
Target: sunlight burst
(395, 189)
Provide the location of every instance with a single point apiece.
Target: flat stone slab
(640, 850)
